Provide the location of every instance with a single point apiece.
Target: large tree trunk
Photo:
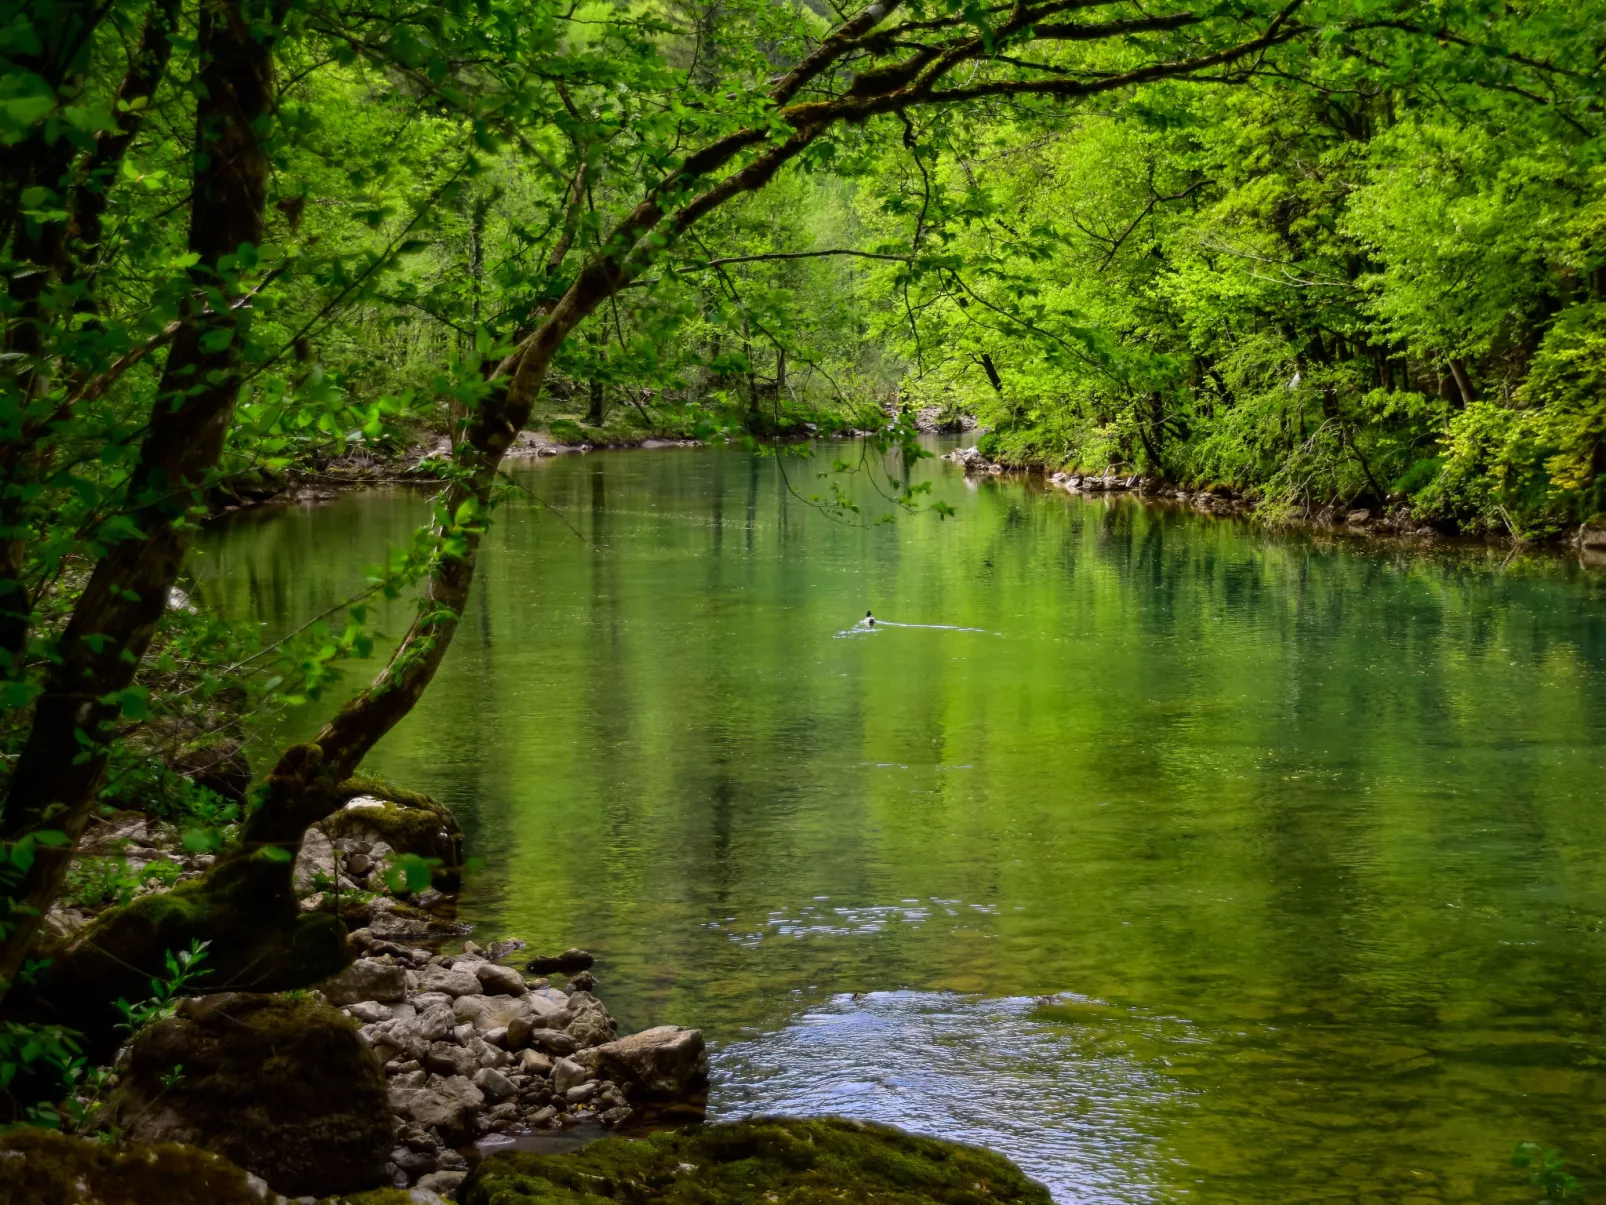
(59, 771)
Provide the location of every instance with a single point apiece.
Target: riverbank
(1398, 526)
(420, 1057)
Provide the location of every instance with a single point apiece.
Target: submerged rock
(283, 1087)
(571, 962)
(779, 1161)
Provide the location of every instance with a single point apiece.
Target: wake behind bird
(869, 625)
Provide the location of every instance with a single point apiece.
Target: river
(1307, 840)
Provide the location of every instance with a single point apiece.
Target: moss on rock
(281, 1085)
(259, 939)
(779, 1161)
(408, 821)
(42, 1167)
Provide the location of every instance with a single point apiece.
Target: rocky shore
(471, 1047)
(1589, 539)
(423, 1054)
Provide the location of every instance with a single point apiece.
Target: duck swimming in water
(869, 620)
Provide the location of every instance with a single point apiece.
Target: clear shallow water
(1313, 839)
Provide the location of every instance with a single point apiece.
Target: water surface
(1308, 841)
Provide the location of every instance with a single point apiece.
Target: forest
(1322, 254)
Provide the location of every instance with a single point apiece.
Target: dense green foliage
(1370, 279)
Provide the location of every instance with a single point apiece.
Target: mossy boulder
(280, 1085)
(409, 822)
(43, 1167)
(778, 1161)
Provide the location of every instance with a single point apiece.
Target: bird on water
(869, 620)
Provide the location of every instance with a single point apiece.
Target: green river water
(1309, 841)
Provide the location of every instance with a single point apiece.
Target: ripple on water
(1071, 1114)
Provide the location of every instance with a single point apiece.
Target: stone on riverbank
(779, 1161)
(376, 813)
(448, 1104)
(973, 460)
(366, 979)
(282, 1086)
(666, 1062)
(530, 1057)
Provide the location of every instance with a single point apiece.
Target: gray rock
(369, 1011)
(316, 858)
(499, 980)
(533, 1062)
(444, 1058)
(566, 1073)
(366, 979)
(592, 1026)
(462, 1033)
(451, 981)
(496, 1086)
(491, 1012)
(448, 1105)
(581, 1093)
(443, 1182)
(414, 1163)
(427, 1000)
(436, 1022)
(551, 1042)
(662, 1063)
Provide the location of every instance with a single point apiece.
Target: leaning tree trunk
(59, 771)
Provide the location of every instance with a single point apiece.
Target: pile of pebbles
(473, 1048)
(350, 866)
